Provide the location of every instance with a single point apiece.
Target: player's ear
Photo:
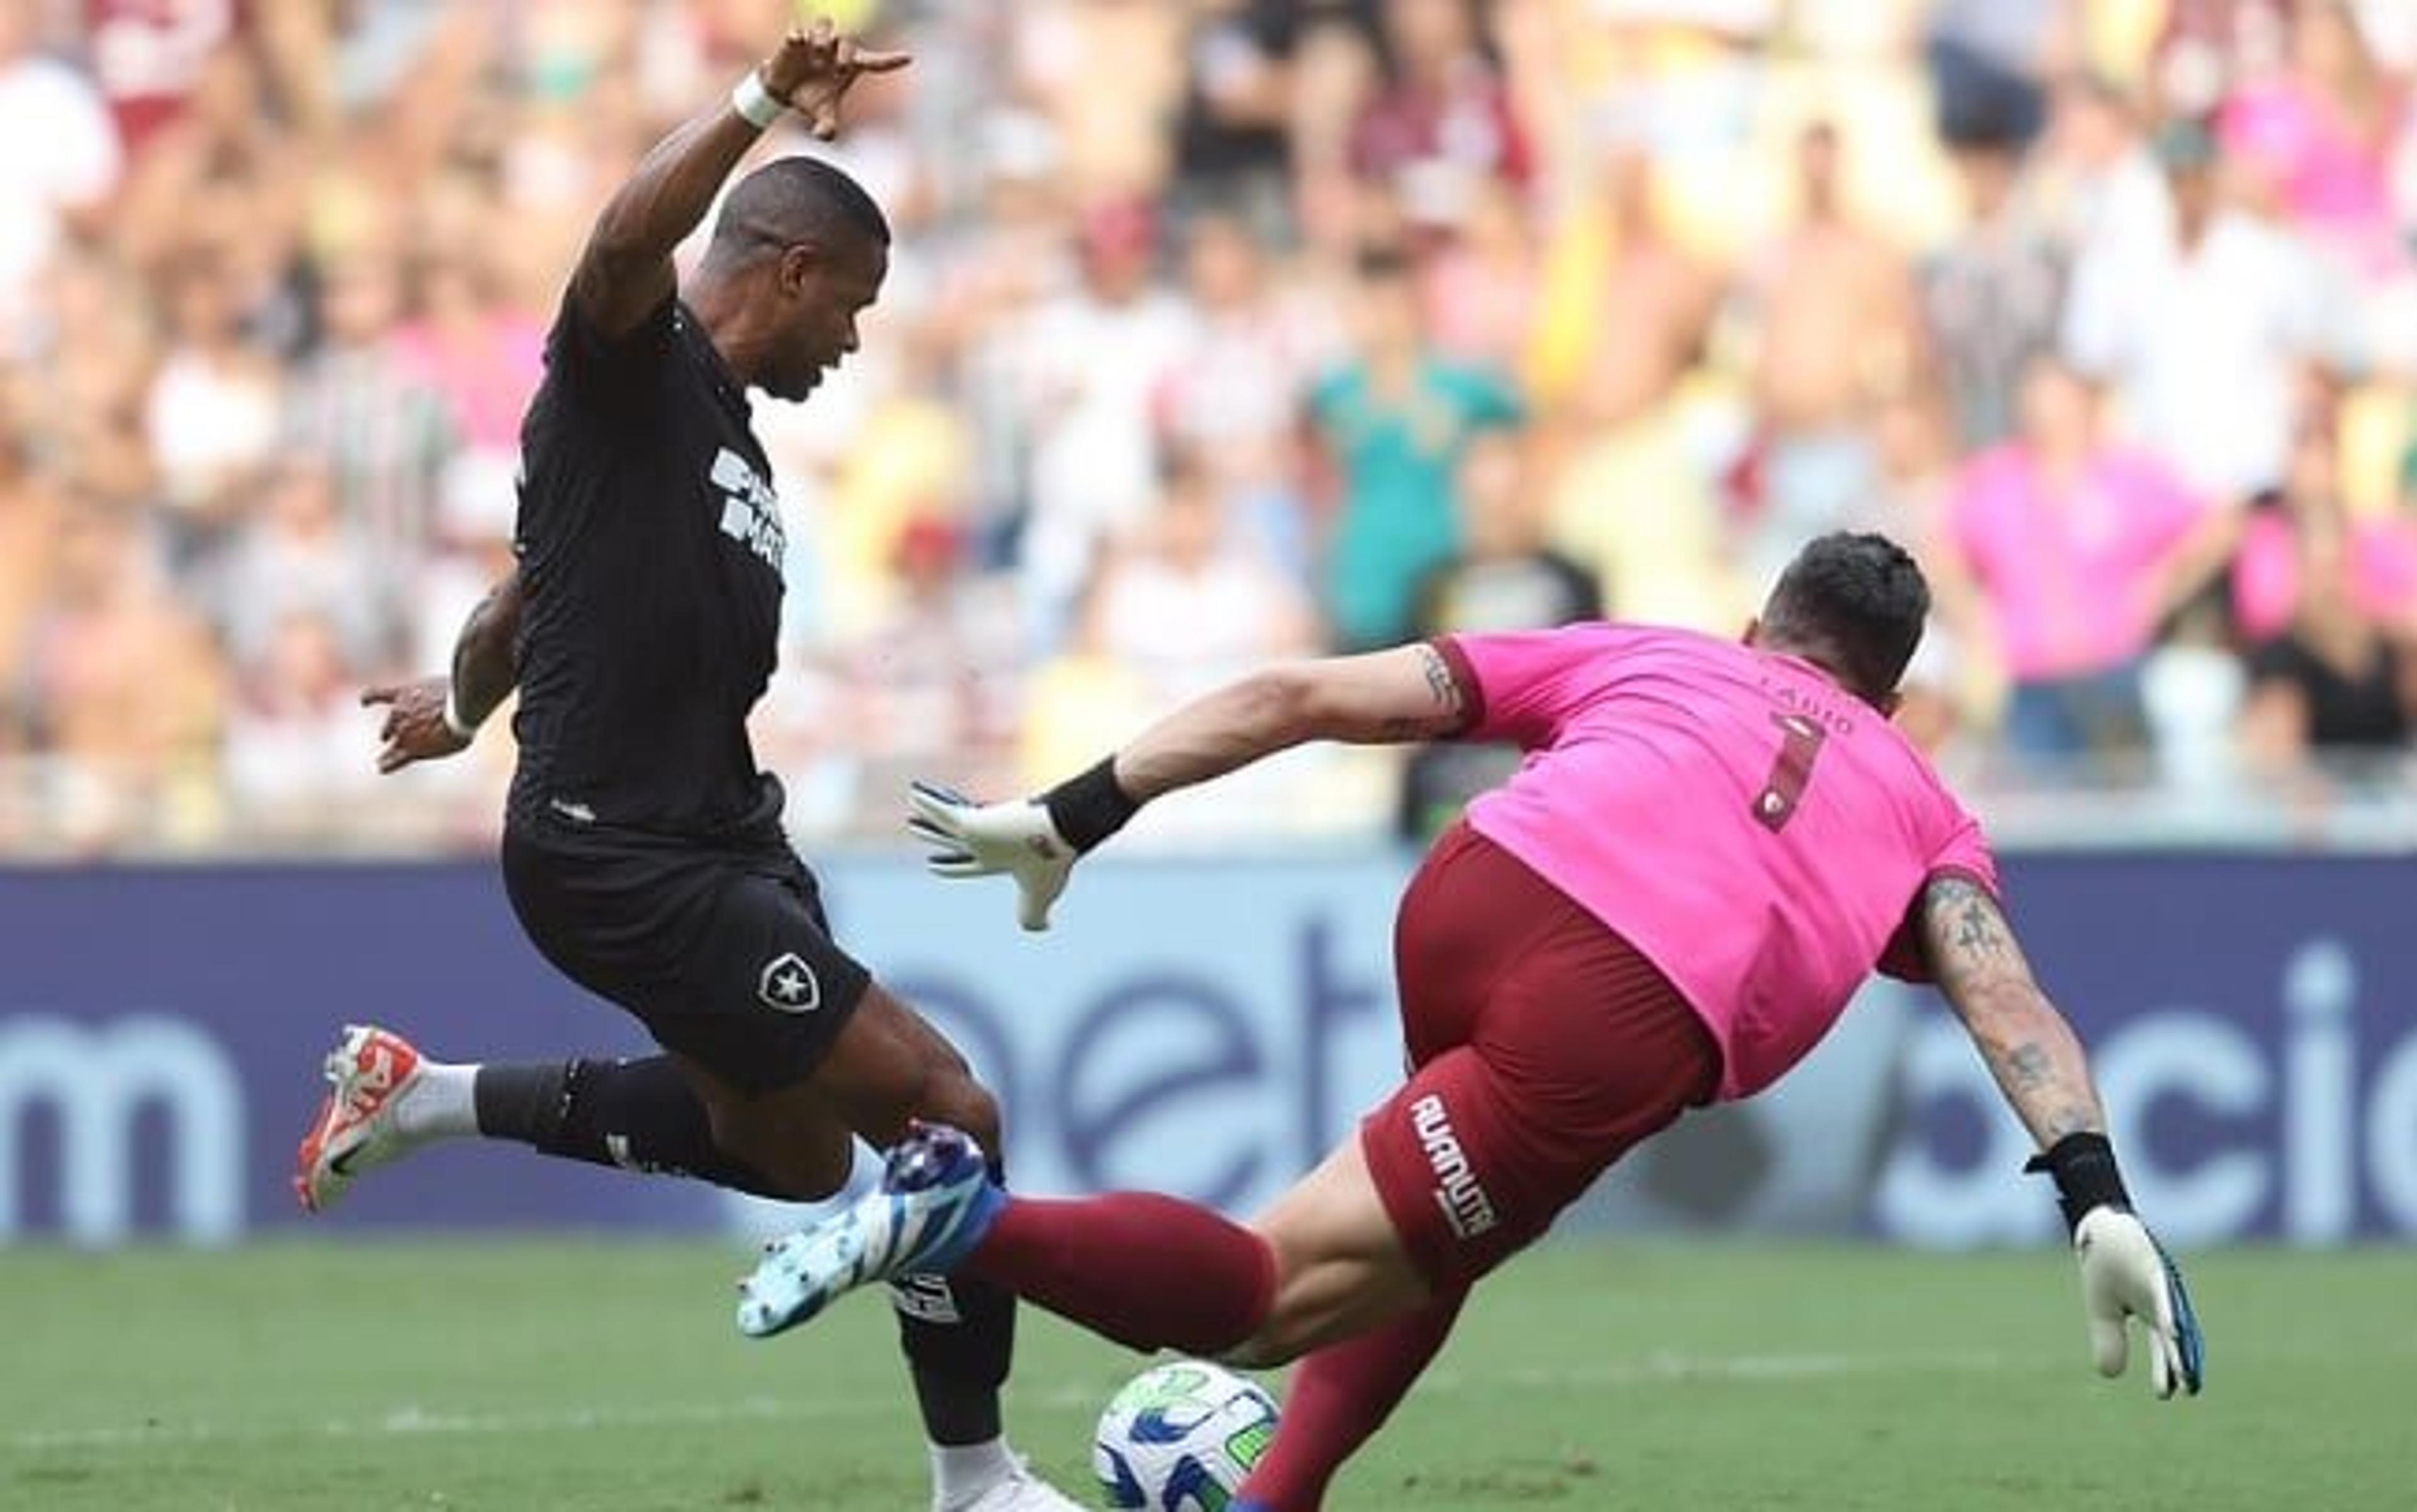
(1890, 702)
(801, 264)
(1752, 630)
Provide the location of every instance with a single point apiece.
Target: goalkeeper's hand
(969, 839)
(2125, 1273)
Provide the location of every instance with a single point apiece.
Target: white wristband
(462, 729)
(758, 106)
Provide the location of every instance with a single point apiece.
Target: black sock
(959, 1334)
(638, 1115)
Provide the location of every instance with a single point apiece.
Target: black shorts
(720, 948)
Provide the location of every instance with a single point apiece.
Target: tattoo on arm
(2027, 1067)
(1441, 684)
(1967, 939)
(2029, 1046)
(1448, 711)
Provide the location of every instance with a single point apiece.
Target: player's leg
(888, 1068)
(1337, 1399)
(1578, 1049)
(1341, 1395)
(626, 921)
(387, 1098)
(803, 1052)
(1329, 1261)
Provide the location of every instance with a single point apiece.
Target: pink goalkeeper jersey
(1758, 833)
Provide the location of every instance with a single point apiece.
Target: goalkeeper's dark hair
(1855, 603)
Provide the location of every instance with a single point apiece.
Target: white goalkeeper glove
(1036, 841)
(2125, 1273)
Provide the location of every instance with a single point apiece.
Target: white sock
(960, 1472)
(440, 1104)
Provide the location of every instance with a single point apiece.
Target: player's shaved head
(791, 202)
(1856, 605)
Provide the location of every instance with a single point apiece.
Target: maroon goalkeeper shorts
(1542, 1047)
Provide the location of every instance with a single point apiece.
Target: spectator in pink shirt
(463, 341)
(2319, 135)
(2377, 558)
(2077, 550)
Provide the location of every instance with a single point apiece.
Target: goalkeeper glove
(1036, 841)
(2126, 1273)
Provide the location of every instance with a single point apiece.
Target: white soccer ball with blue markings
(1180, 1437)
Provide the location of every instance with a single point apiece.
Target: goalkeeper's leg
(1337, 1399)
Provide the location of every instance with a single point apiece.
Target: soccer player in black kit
(643, 850)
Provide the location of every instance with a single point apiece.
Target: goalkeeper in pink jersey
(1709, 848)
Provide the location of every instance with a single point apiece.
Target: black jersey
(650, 549)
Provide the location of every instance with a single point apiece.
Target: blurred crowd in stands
(1225, 330)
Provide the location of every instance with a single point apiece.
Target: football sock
(1147, 1270)
(959, 1337)
(962, 1473)
(441, 1102)
(1339, 1397)
(639, 1115)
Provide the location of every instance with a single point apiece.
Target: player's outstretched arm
(2038, 1065)
(626, 271)
(1381, 698)
(432, 718)
(1406, 693)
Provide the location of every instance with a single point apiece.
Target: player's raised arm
(625, 270)
(434, 717)
(2038, 1065)
(1408, 693)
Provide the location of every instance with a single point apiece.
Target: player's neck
(1814, 659)
(722, 310)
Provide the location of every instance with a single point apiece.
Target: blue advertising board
(1207, 1026)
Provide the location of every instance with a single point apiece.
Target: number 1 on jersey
(1800, 746)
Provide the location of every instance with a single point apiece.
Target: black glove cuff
(1089, 808)
(2083, 1166)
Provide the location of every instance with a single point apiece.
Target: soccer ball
(1180, 1437)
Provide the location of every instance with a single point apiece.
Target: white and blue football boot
(935, 1203)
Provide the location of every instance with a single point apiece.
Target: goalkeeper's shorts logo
(1465, 1204)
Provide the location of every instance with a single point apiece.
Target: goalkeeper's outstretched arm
(1406, 693)
(2040, 1066)
(1381, 697)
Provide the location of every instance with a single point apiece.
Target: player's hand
(2125, 1273)
(414, 727)
(813, 69)
(970, 839)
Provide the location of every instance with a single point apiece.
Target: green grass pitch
(517, 1377)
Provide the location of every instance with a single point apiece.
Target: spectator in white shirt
(1183, 601)
(1093, 363)
(2200, 330)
